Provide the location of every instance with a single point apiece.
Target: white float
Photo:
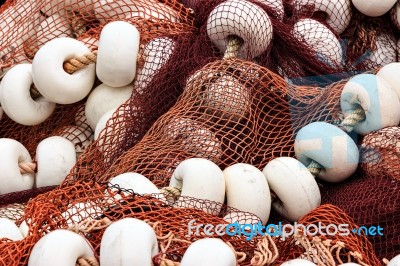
(373, 8)
(11, 180)
(244, 20)
(200, 179)
(103, 99)
(209, 251)
(390, 73)
(295, 187)
(128, 241)
(9, 230)
(16, 99)
(156, 53)
(321, 40)
(50, 78)
(117, 54)
(55, 157)
(276, 5)
(338, 13)
(395, 261)
(61, 247)
(298, 262)
(247, 190)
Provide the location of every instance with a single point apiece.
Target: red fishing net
(199, 105)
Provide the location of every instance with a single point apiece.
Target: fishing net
(197, 105)
(68, 120)
(380, 153)
(230, 111)
(88, 207)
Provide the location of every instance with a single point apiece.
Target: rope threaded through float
(80, 62)
(27, 168)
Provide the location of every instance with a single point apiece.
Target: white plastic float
(156, 53)
(125, 9)
(16, 99)
(11, 180)
(103, 99)
(395, 261)
(253, 27)
(55, 156)
(55, 26)
(138, 183)
(350, 264)
(379, 101)
(50, 78)
(228, 98)
(276, 5)
(80, 137)
(128, 241)
(295, 187)
(10, 18)
(101, 125)
(201, 179)
(329, 146)
(390, 73)
(186, 131)
(247, 190)
(385, 52)
(61, 247)
(318, 37)
(9, 230)
(51, 7)
(209, 251)
(338, 13)
(117, 54)
(298, 262)
(373, 8)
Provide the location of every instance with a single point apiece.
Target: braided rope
(87, 261)
(350, 121)
(171, 193)
(27, 168)
(80, 62)
(233, 46)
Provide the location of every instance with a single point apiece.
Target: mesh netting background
(188, 110)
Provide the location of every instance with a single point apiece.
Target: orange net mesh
(381, 153)
(195, 105)
(85, 201)
(230, 111)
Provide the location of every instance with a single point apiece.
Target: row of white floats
(129, 242)
(224, 21)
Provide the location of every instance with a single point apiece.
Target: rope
(90, 225)
(27, 168)
(80, 62)
(171, 193)
(350, 121)
(233, 46)
(264, 254)
(87, 261)
(314, 168)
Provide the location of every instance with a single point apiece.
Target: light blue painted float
(376, 97)
(329, 146)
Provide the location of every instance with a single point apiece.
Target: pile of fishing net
(226, 99)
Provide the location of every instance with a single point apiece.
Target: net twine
(232, 49)
(88, 226)
(324, 253)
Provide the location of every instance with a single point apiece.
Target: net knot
(90, 225)
(27, 168)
